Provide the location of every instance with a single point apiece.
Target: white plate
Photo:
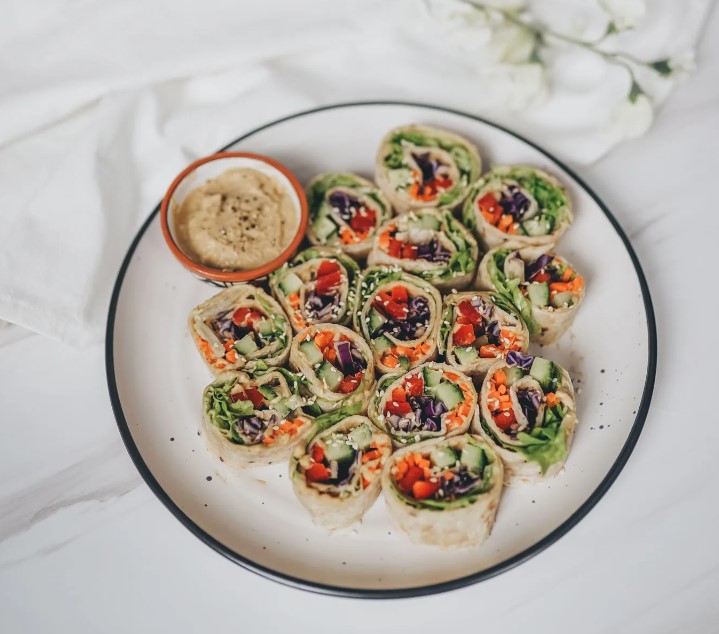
(156, 379)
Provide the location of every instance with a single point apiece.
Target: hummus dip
(239, 220)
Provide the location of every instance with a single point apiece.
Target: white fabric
(102, 103)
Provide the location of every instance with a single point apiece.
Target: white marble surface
(86, 547)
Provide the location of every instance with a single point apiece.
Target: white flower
(683, 63)
(511, 44)
(624, 13)
(517, 86)
(631, 120)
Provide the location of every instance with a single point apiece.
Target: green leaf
(611, 29)
(634, 92)
(662, 67)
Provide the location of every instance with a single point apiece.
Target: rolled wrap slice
(399, 315)
(337, 365)
(434, 400)
(431, 244)
(477, 329)
(319, 285)
(545, 289)
(533, 428)
(419, 167)
(444, 492)
(345, 211)
(239, 327)
(252, 420)
(520, 205)
(336, 470)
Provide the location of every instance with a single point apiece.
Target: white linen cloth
(102, 103)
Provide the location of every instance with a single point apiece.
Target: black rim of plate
(391, 593)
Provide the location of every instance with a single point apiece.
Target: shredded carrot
(552, 399)
(448, 475)
(231, 356)
(500, 378)
(347, 236)
(390, 361)
(294, 300)
(454, 422)
(324, 339)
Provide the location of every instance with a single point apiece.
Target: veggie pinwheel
(528, 413)
(431, 244)
(239, 327)
(444, 492)
(521, 205)
(477, 329)
(336, 471)
(337, 365)
(251, 420)
(433, 400)
(398, 314)
(419, 166)
(318, 286)
(345, 211)
(545, 289)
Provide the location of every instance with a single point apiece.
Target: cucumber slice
(404, 362)
(543, 370)
(267, 392)
(563, 299)
(246, 345)
(290, 284)
(382, 344)
(466, 355)
(473, 457)
(375, 321)
(432, 377)
(361, 436)
(513, 373)
(443, 457)
(282, 407)
(330, 375)
(324, 228)
(265, 328)
(536, 227)
(312, 352)
(242, 408)
(449, 393)
(538, 293)
(337, 448)
(424, 221)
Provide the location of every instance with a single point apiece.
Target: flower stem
(541, 33)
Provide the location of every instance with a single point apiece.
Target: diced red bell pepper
(399, 294)
(396, 310)
(490, 208)
(414, 474)
(409, 251)
(469, 312)
(364, 222)
(328, 282)
(254, 395)
(318, 454)
(464, 335)
(350, 383)
(414, 385)
(327, 267)
(504, 419)
(401, 408)
(394, 249)
(543, 276)
(317, 472)
(246, 317)
(424, 489)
